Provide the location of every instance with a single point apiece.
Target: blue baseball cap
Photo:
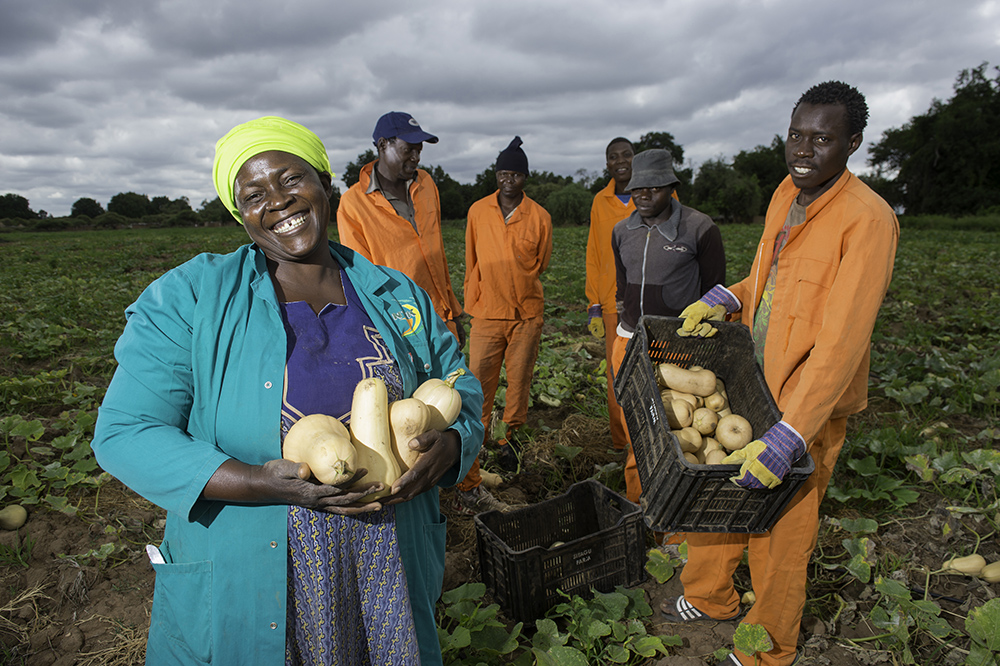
(403, 126)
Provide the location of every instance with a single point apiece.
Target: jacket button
(427, 366)
(267, 385)
(274, 625)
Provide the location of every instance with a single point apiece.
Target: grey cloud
(118, 95)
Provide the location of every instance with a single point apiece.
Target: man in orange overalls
(821, 270)
(392, 216)
(611, 205)
(508, 244)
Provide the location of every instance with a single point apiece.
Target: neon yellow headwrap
(259, 136)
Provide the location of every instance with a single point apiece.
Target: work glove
(713, 306)
(765, 461)
(595, 321)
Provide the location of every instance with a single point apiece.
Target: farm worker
(814, 290)
(611, 205)
(665, 255)
(508, 244)
(392, 217)
(219, 357)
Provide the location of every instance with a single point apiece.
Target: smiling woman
(219, 357)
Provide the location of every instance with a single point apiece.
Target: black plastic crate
(603, 546)
(678, 496)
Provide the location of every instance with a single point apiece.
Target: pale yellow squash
(970, 565)
(441, 398)
(323, 443)
(991, 572)
(371, 436)
(699, 382)
(407, 419)
(679, 413)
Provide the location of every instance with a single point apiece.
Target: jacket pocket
(526, 252)
(812, 289)
(182, 607)
(434, 543)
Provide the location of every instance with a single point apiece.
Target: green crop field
(920, 466)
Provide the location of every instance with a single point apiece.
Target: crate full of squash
(689, 402)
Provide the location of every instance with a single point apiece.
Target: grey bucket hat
(652, 168)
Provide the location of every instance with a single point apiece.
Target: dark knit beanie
(512, 158)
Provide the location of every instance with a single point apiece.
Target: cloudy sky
(101, 96)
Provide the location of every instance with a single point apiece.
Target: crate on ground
(677, 495)
(588, 537)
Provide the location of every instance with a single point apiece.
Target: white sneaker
(478, 500)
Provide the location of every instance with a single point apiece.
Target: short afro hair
(837, 92)
(619, 139)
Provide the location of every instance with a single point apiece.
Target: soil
(62, 610)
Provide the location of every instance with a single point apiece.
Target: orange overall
(606, 211)
(368, 224)
(504, 261)
(832, 275)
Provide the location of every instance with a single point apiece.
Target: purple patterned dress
(347, 598)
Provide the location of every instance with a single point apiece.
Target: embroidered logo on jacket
(411, 315)
(675, 248)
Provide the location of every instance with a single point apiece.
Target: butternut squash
(323, 443)
(716, 402)
(672, 394)
(715, 456)
(442, 400)
(733, 432)
(371, 436)
(698, 382)
(678, 413)
(688, 443)
(407, 419)
(704, 420)
(970, 565)
(991, 572)
(693, 437)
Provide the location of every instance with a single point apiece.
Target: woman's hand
(285, 482)
(439, 451)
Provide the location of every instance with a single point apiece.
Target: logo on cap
(413, 121)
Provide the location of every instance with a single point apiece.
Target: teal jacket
(200, 373)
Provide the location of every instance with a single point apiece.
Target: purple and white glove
(766, 461)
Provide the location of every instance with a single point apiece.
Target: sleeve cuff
(719, 295)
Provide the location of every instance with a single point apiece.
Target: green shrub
(569, 204)
(111, 221)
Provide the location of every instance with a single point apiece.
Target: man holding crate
(664, 254)
(821, 270)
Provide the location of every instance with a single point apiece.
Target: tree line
(945, 161)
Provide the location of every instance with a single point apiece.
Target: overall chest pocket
(525, 251)
(811, 289)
